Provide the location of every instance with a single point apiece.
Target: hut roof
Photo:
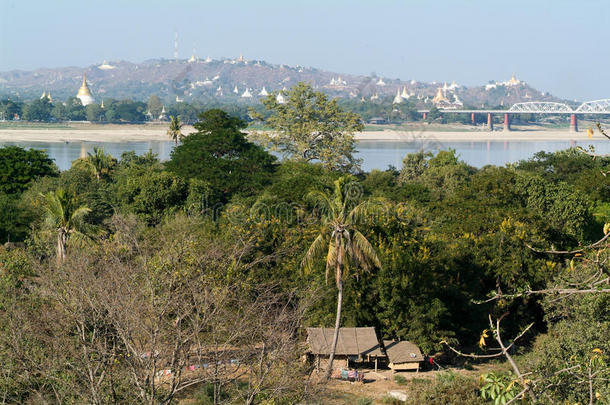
(351, 341)
(402, 351)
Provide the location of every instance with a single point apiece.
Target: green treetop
(309, 127)
(220, 155)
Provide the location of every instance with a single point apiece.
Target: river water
(374, 154)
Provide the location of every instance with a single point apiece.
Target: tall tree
(220, 154)
(345, 245)
(65, 219)
(310, 127)
(38, 110)
(175, 129)
(101, 162)
(154, 105)
(19, 167)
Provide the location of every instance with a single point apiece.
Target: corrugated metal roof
(351, 341)
(402, 351)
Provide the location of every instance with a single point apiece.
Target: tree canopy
(19, 167)
(310, 127)
(220, 155)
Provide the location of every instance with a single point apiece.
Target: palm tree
(100, 161)
(175, 129)
(345, 246)
(67, 221)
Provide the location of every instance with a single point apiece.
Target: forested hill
(205, 80)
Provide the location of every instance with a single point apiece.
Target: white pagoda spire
(235, 90)
(247, 94)
(263, 92)
(397, 98)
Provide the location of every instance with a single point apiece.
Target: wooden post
(375, 363)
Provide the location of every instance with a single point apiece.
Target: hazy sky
(556, 45)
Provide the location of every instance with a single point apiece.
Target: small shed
(353, 345)
(403, 355)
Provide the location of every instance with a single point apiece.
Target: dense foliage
(206, 249)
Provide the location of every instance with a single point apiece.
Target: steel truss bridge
(597, 107)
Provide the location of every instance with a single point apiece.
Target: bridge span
(595, 107)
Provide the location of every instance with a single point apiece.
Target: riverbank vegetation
(132, 280)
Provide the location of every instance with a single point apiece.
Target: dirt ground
(377, 385)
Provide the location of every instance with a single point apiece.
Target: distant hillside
(204, 80)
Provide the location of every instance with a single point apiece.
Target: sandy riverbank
(143, 133)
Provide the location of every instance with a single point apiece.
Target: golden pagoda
(513, 81)
(440, 97)
(83, 93)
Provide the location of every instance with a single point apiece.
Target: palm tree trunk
(339, 276)
(61, 246)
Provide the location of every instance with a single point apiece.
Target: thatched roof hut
(403, 355)
(353, 344)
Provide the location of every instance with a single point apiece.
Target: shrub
(447, 388)
(400, 380)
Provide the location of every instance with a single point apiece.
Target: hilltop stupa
(246, 94)
(263, 92)
(106, 66)
(84, 95)
(513, 81)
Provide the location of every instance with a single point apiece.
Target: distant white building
(338, 82)
(106, 66)
(163, 115)
(397, 98)
(235, 90)
(380, 82)
(263, 92)
(453, 86)
(246, 94)
(280, 98)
